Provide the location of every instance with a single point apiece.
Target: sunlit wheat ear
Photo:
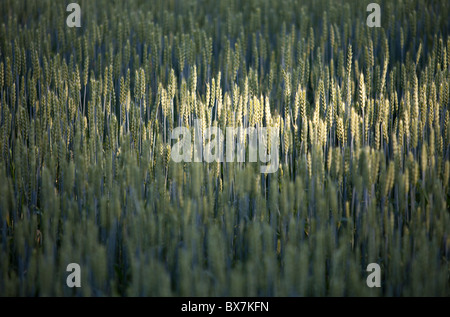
(446, 128)
(340, 130)
(362, 93)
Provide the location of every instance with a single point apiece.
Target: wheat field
(86, 174)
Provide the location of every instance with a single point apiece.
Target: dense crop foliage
(85, 168)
